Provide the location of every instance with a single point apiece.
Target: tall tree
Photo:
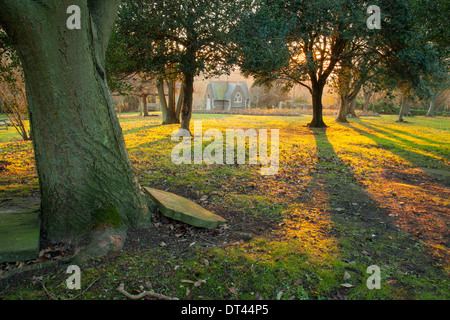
(352, 72)
(123, 70)
(170, 107)
(432, 24)
(304, 41)
(298, 42)
(413, 55)
(170, 38)
(85, 175)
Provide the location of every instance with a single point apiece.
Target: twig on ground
(47, 292)
(87, 288)
(52, 297)
(144, 294)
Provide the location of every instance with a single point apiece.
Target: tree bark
(186, 111)
(168, 109)
(162, 98)
(172, 112)
(145, 105)
(172, 103)
(430, 112)
(317, 93)
(352, 106)
(85, 175)
(367, 97)
(347, 107)
(189, 76)
(402, 110)
(343, 109)
(180, 103)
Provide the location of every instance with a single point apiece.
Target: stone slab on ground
(19, 234)
(185, 210)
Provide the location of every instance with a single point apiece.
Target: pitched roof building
(227, 95)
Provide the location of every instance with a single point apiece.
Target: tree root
(144, 294)
(102, 243)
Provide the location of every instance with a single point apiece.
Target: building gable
(226, 94)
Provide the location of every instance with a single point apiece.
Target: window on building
(238, 98)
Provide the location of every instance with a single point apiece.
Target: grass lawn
(370, 192)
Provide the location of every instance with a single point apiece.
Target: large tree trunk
(167, 107)
(145, 105)
(349, 90)
(343, 109)
(318, 81)
(180, 103)
(352, 106)
(172, 97)
(367, 97)
(85, 175)
(317, 92)
(186, 111)
(347, 108)
(403, 109)
(189, 76)
(430, 112)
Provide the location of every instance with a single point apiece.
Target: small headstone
(19, 234)
(182, 209)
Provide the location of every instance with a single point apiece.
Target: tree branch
(142, 295)
(306, 86)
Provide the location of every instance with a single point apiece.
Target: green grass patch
(345, 198)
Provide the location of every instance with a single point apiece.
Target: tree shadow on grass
(396, 144)
(418, 194)
(406, 133)
(149, 144)
(366, 229)
(135, 130)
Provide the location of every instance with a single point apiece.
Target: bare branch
(142, 295)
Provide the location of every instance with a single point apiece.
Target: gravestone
(19, 234)
(182, 209)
